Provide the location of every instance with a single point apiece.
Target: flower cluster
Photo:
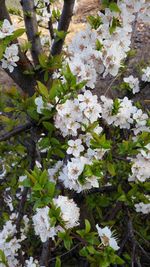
(71, 115)
(142, 207)
(71, 172)
(42, 224)
(146, 74)
(10, 57)
(31, 263)
(68, 207)
(133, 83)
(141, 165)
(120, 115)
(9, 243)
(140, 119)
(42, 221)
(86, 59)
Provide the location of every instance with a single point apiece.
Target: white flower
(75, 147)
(140, 168)
(42, 225)
(146, 74)
(71, 172)
(70, 213)
(141, 121)
(9, 244)
(124, 116)
(42, 105)
(133, 83)
(106, 237)
(75, 168)
(6, 30)
(31, 263)
(142, 207)
(146, 153)
(10, 58)
(87, 99)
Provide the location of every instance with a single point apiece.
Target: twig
(125, 239)
(113, 212)
(105, 189)
(111, 83)
(80, 197)
(63, 25)
(32, 28)
(15, 131)
(31, 151)
(66, 253)
(50, 24)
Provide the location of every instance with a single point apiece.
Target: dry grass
(13, 3)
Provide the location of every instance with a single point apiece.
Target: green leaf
(42, 89)
(3, 258)
(94, 21)
(43, 60)
(55, 89)
(99, 45)
(114, 7)
(111, 169)
(60, 35)
(37, 187)
(115, 23)
(1, 51)
(48, 126)
(58, 262)
(87, 226)
(18, 33)
(116, 106)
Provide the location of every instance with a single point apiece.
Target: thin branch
(105, 189)
(19, 129)
(50, 24)
(80, 197)
(25, 82)
(63, 25)
(66, 253)
(32, 28)
(31, 151)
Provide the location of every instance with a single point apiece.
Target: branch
(50, 24)
(15, 131)
(45, 254)
(32, 28)
(63, 25)
(25, 82)
(80, 197)
(31, 152)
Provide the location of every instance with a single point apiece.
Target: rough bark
(32, 28)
